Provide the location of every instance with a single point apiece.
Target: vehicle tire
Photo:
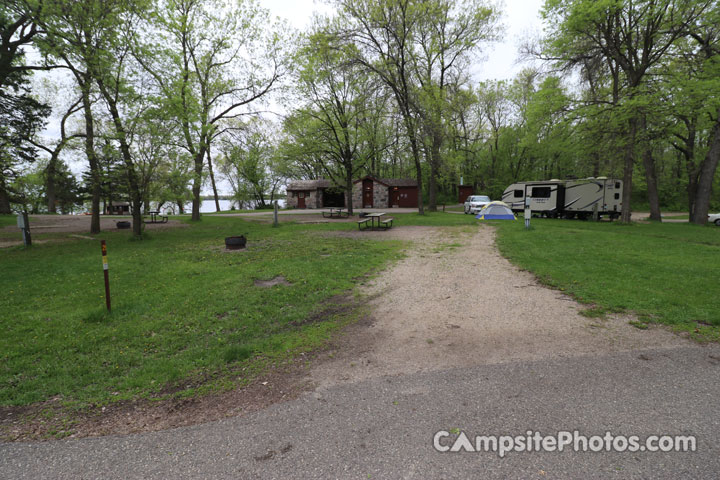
(717, 222)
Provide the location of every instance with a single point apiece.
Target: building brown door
(301, 199)
(464, 191)
(367, 193)
(395, 197)
(408, 197)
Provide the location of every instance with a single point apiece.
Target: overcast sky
(520, 17)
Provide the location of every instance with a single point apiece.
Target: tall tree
(21, 116)
(337, 96)
(707, 37)
(248, 164)
(54, 173)
(635, 36)
(383, 35)
(450, 32)
(211, 60)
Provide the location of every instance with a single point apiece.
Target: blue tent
(496, 211)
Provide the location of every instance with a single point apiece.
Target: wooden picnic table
(335, 212)
(372, 216)
(155, 217)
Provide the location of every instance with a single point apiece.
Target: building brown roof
(398, 182)
(309, 184)
(391, 182)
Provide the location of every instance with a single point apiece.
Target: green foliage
(249, 165)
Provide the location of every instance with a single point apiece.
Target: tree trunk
(707, 175)
(650, 174)
(628, 171)
(692, 194)
(197, 184)
(412, 137)
(434, 171)
(212, 180)
(95, 174)
(651, 179)
(596, 164)
(348, 190)
(4, 197)
(181, 208)
(133, 183)
(51, 185)
(432, 189)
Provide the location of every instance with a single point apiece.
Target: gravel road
(454, 301)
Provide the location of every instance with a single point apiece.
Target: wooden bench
(363, 221)
(386, 223)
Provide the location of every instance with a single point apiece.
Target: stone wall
(380, 195)
(313, 198)
(291, 200)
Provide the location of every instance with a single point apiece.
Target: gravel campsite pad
(455, 301)
(70, 224)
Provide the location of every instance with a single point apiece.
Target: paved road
(383, 427)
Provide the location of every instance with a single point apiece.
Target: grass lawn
(186, 315)
(667, 273)
(6, 220)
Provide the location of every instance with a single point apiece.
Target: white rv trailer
(567, 198)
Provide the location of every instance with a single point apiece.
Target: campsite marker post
(275, 214)
(105, 272)
(23, 224)
(528, 213)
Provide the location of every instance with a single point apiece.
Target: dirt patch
(81, 224)
(454, 301)
(279, 280)
(282, 382)
(50, 420)
(414, 233)
(338, 305)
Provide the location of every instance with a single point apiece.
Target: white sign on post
(528, 212)
(21, 220)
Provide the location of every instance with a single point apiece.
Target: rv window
(617, 184)
(541, 192)
(617, 196)
(519, 193)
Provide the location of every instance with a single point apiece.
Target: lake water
(208, 206)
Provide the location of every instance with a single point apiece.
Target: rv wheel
(717, 222)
